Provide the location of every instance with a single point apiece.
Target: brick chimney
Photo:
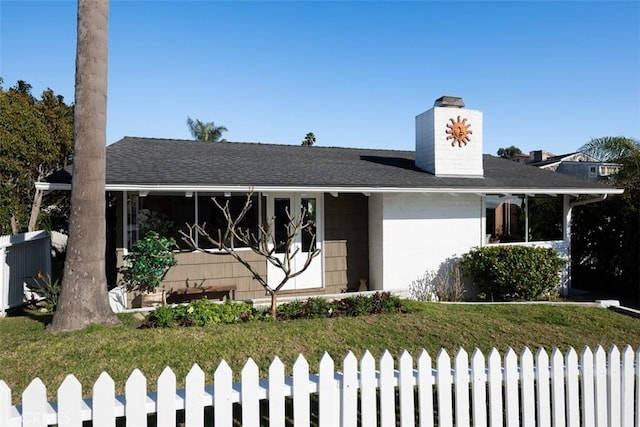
(449, 139)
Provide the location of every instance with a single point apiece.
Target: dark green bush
(150, 259)
(514, 272)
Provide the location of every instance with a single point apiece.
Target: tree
(508, 152)
(83, 297)
(264, 243)
(606, 235)
(309, 139)
(208, 131)
(36, 139)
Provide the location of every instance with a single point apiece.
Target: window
(212, 219)
(168, 214)
(509, 216)
(505, 218)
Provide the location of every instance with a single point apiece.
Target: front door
(277, 207)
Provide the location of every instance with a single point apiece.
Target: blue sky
(547, 75)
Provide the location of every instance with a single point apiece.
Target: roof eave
(339, 189)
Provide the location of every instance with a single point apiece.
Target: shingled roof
(137, 163)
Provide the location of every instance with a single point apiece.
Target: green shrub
(200, 313)
(150, 259)
(514, 272)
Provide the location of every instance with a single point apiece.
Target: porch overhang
(182, 188)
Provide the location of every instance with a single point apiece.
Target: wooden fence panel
(557, 389)
(70, 404)
(543, 401)
(573, 389)
(461, 387)
(349, 393)
(586, 382)
(600, 381)
(136, 399)
(194, 397)
(368, 387)
(444, 389)
(405, 389)
(627, 389)
(104, 404)
(222, 392)
(494, 379)
(478, 389)
(527, 388)
(511, 389)
(34, 404)
(166, 399)
(329, 393)
(613, 386)
(276, 393)
(301, 406)
(425, 389)
(387, 390)
(250, 394)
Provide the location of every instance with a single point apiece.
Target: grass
(28, 351)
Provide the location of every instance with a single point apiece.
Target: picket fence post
(494, 378)
(543, 401)
(104, 402)
(387, 390)
(511, 391)
(329, 393)
(276, 393)
(349, 392)
(223, 385)
(70, 403)
(368, 387)
(527, 381)
(194, 397)
(425, 389)
(588, 410)
(301, 405)
(166, 398)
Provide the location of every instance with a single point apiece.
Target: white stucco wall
(418, 232)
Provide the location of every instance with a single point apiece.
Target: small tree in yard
(278, 253)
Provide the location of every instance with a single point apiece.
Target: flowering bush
(514, 272)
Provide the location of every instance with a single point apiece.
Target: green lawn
(28, 351)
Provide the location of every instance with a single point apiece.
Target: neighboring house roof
(569, 157)
(137, 164)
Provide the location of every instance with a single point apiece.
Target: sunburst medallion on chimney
(449, 139)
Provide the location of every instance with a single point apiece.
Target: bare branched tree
(263, 242)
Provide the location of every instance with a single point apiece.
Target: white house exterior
(384, 216)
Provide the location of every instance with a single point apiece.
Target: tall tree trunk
(35, 209)
(83, 299)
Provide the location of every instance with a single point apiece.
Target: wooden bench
(220, 292)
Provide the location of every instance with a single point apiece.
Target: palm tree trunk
(83, 299)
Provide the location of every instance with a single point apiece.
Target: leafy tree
(508, 152)
(309, 139)
(36, 139)
(83, 296)
(606, 235)
(208, 131)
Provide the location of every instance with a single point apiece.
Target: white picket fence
(591, 389)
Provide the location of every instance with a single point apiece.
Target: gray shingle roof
(157, 162)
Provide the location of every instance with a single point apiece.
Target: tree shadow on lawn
(34, 314)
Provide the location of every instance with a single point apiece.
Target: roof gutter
(600, 198)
